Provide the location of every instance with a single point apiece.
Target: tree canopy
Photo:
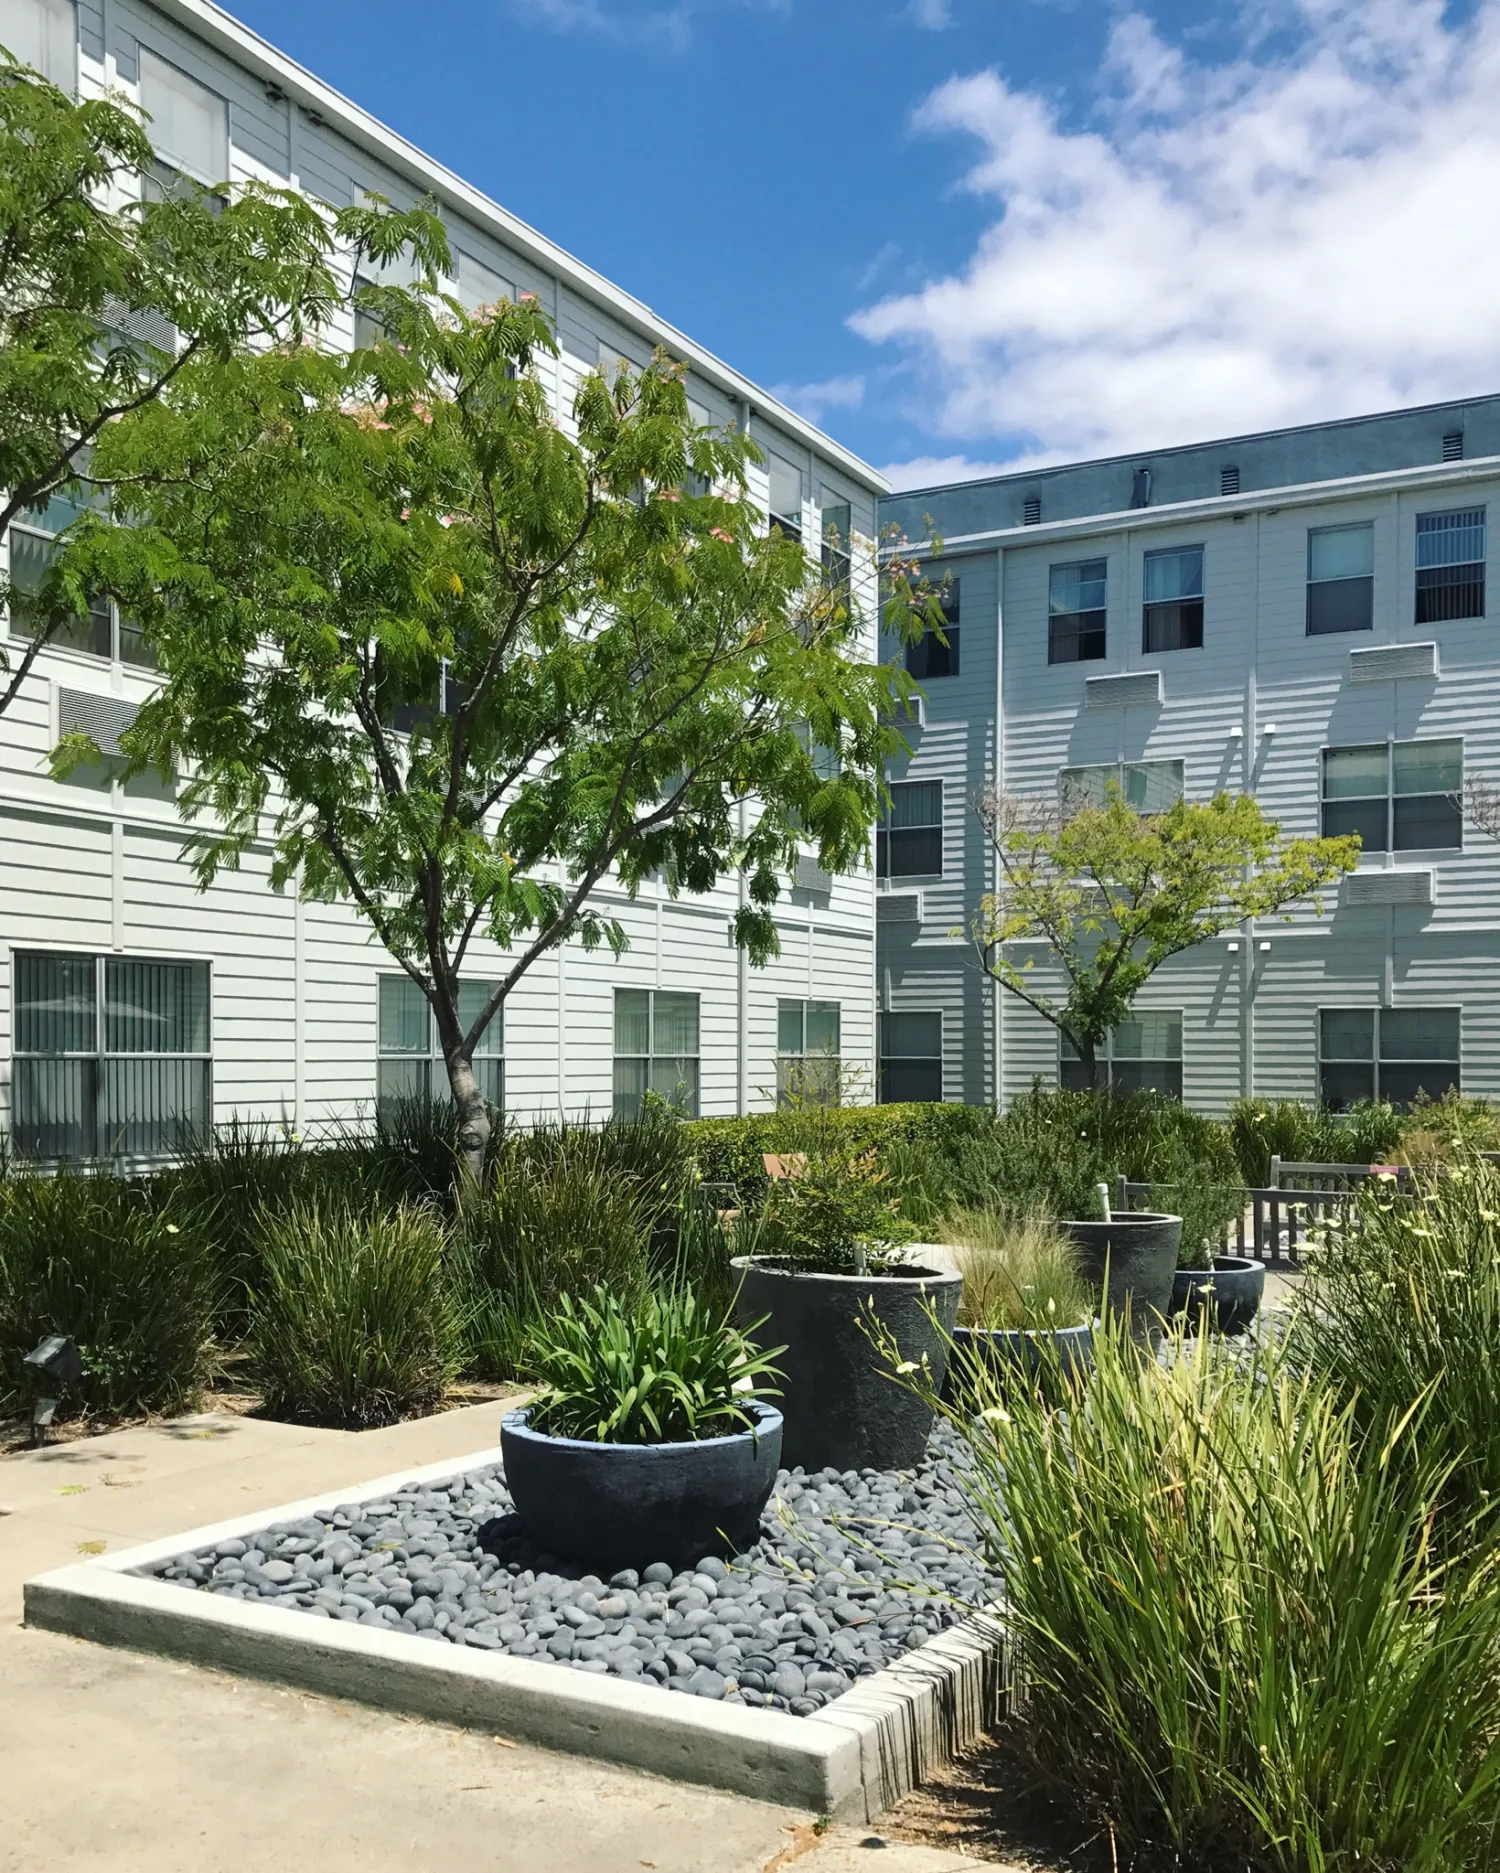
(466, 663)
(1112, 894)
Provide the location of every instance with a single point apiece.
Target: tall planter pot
(627, 1505)
(1138, 1249)
(1231, 1292)
(843, 1407)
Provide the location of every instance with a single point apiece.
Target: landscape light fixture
(58, 1364)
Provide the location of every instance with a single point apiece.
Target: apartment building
(1305, 615)
(132, 1006)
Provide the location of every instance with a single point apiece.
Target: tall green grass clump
(1261, 1129)
(357, 1323)
(551, 1225)
(1017, 1275)
(96, 1258)
(1403, 1304)
(1233, 1644)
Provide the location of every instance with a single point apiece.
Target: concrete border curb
(851, 1760)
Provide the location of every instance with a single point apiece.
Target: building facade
(1305, 615)
(132, 1006)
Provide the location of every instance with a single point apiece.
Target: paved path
(118, 1763)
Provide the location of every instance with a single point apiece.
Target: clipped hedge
(730, 1150)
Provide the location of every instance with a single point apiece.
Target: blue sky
(963, 233)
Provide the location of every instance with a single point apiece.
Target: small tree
(78, 268)
(468, 664)
(1113, 894)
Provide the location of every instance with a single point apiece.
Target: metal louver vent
(1141, 689)
(1401, 884)
(150, 327)
(811, 876)
(1031, 511)
(104, 719)
(1229, 478)
(899, 907)
(1385, 663)
(1453, 445)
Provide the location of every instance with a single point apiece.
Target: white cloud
(933, 16)
(814, 400)
(936, 471)
(1220, 248)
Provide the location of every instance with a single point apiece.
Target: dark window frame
(103, 617)
(1175, 623)
(1127, 1072)
(1351, 809)
(1078, 636)
(1332, 603)
(1440, 594)
(1344, 1078)
(908, 1079)
(893, 842)
(929, 659)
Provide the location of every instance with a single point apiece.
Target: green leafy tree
(470, 666)
(79, 267)
(1113, 894)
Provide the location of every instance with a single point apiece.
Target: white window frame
(145, 665)
(631, 1104)
(803, 1077)
(489, 1055)
(1119, 772)
(175, 159)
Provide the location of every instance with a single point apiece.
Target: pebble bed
(851, 1571)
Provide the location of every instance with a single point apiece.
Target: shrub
(1436, 1131)
(1286, 1128)
(729, 1150)
(838, 1214)
(1232, 1642)
(649, 1156)
(660, 1370)
(357, 1323)
(96, 1258)
(551, 1225)
(1404, 1307)
(1017, 1274)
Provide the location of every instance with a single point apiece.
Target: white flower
(995, 1415)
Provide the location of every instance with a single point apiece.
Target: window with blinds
(112, 1056)
(1450, 566)
(808, 1065)
(656, 1051)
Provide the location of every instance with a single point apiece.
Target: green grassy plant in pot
(653, 1440)
(829, 1283)
(1025, 1303)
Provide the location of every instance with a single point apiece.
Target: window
(930, 657)
(1148, 786)
(189, 124)
(1386, 1053)
(1402, 796)
(1173, 615)
(1076, 604)
(807, 1053)
(1450, 566)
(656, 1050)
(112, 1055)
(786, 496)
(837, 522)
(103, 632)
(693, 483)
(909, 840)
(410, 1059)
(44, 35)
(479, 285)
(911, 1058)
(1340, 579)
(1143, 1054)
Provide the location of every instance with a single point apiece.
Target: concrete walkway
(118, 1763)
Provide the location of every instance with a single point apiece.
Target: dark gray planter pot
(1021, 1351)
(1139, 1250)
(842, 1407)
(626, 1505)
(1231, 1291)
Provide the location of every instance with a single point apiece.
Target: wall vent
(1031, 511)
(1141, 689)
(104, 719)
(1453, 445)
(811, 876)
(1385, 663)
(1400, 884)
(1229, 478)
(150, 327)
(898, 907)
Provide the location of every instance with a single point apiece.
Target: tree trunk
(1089, 1055)
(473, 1115)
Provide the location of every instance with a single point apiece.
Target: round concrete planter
(626, 1505)
(1136, 1253)
(843, 1408)
(1230, 1291)
(1022, 1352)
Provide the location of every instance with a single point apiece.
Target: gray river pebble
(851, 1570)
